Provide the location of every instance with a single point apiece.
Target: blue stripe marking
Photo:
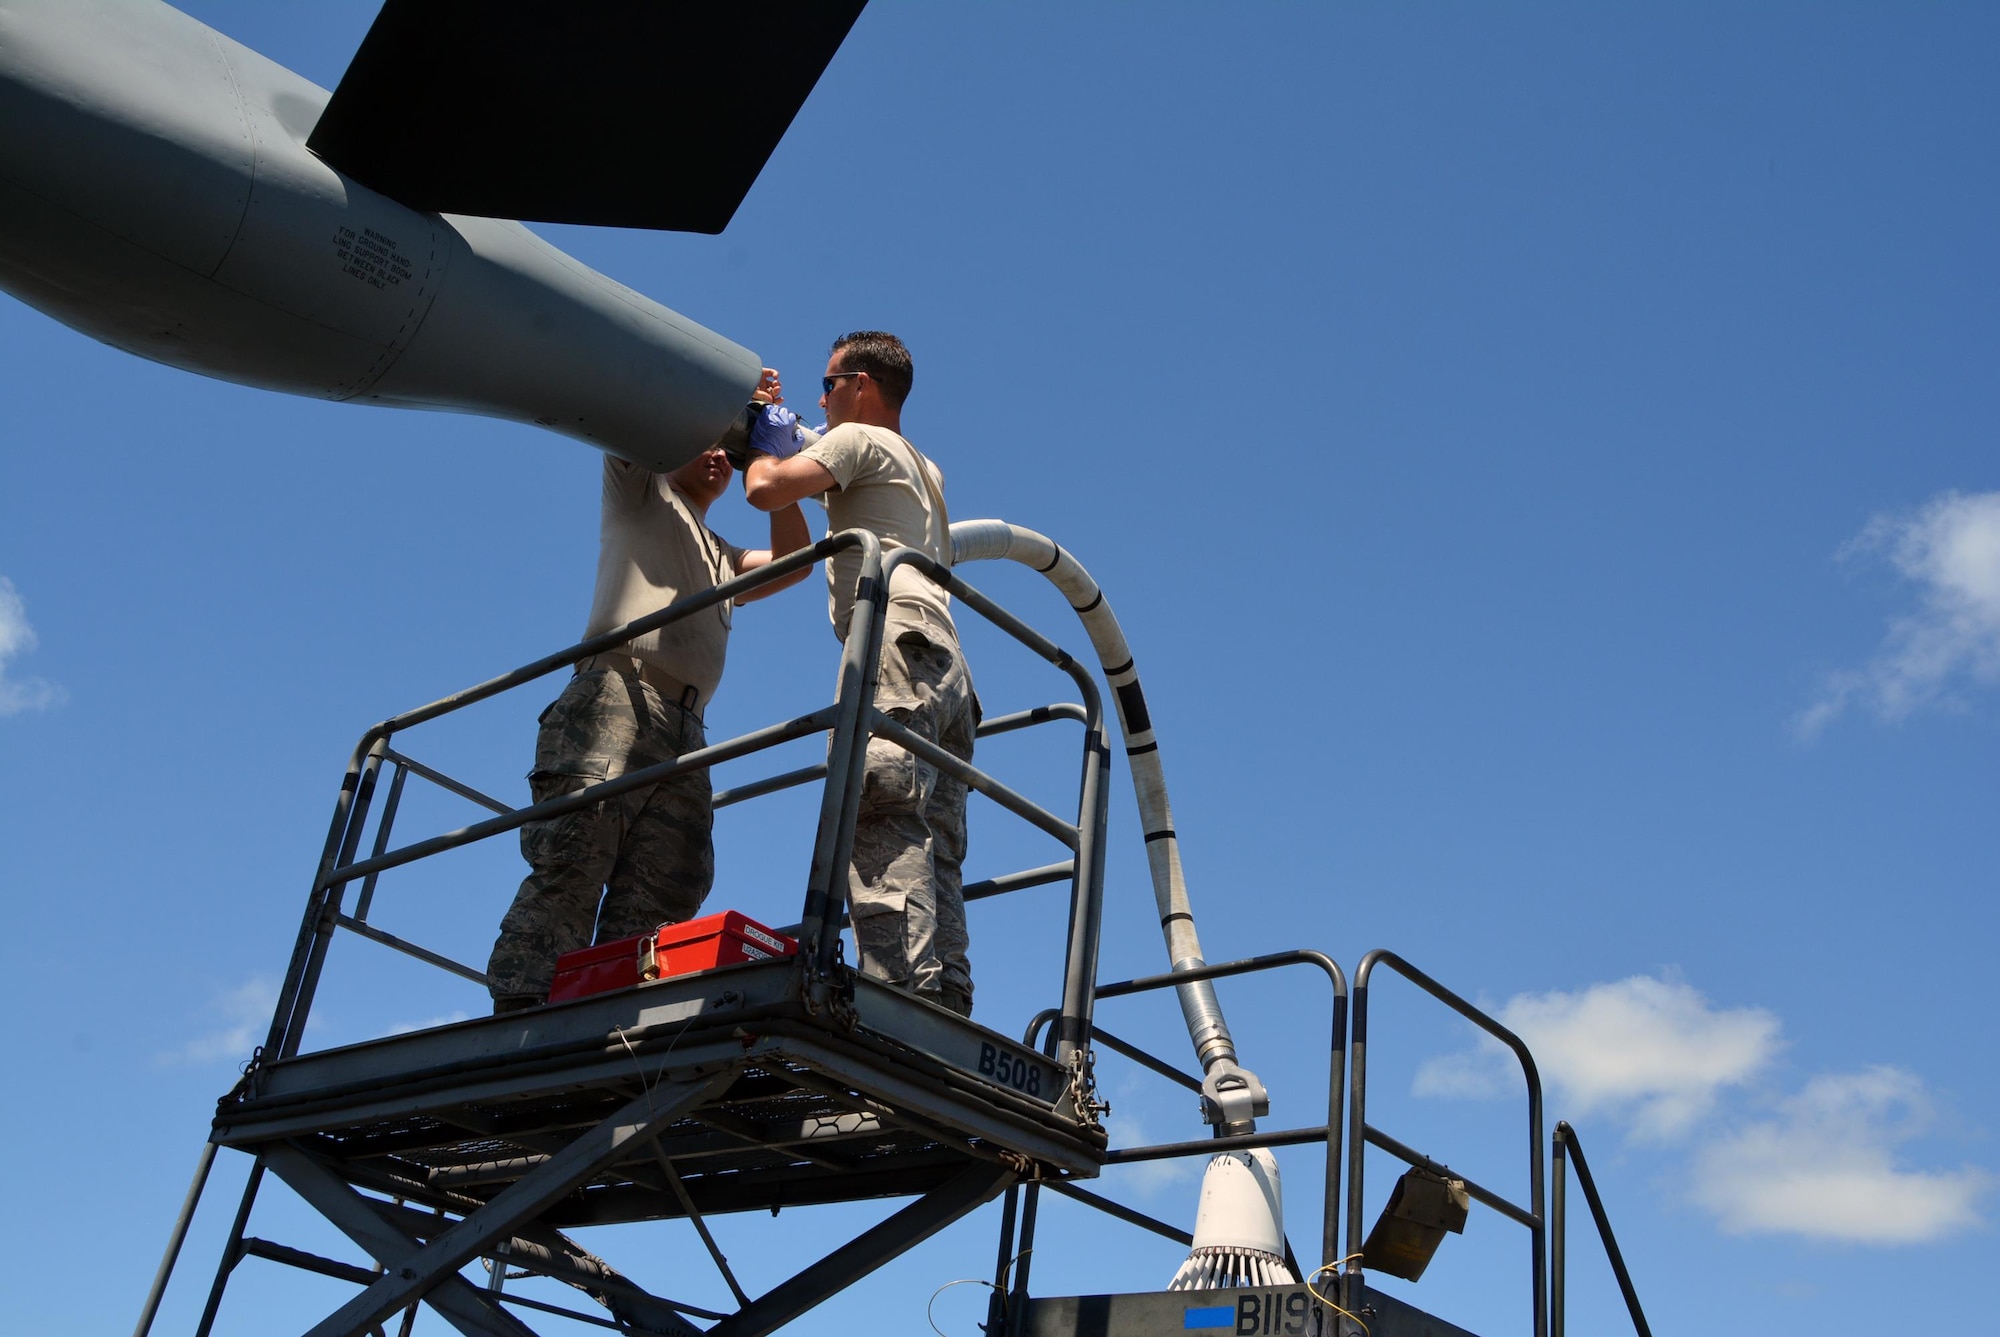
(1217, 1316)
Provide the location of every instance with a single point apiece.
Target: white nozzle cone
(1239, 1228)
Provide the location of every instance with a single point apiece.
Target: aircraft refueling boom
(157, 192)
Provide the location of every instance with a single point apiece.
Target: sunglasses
(826, 382)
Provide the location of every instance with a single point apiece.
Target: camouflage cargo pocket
(589, 731)
(896, 781)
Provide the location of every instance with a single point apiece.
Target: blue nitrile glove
(775, 432)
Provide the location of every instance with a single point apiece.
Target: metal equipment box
(725, 939)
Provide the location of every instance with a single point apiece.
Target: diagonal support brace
(618, 1136)
(949, 1201)
(455, 1298)
(543, 1249)
(546, 1250)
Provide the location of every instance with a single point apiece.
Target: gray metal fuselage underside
(156, 193)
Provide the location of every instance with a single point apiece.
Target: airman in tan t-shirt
(877, 487)
(905, 895)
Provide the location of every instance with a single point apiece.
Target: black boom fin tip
(619, 113)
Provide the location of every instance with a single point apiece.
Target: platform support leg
(1017, 1294)
(174, 1241)
(996, 1303)
(232, 1249)
(911, 1226)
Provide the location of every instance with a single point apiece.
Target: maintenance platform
(796, 1081)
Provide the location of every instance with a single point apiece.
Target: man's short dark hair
(883, 357)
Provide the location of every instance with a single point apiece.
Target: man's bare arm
(788, 534)
(770, 484)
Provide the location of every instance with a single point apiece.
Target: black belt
(671, 689)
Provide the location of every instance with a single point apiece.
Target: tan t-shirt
(653, 549)
(881, 491)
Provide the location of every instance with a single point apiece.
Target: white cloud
(1825, 1167)
(240, 1018)
(1656, 1056)
(1148, 1179)
(1950, 550)
(1655, 1051)
(18, 638)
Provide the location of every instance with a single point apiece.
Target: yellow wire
(1328, 1267)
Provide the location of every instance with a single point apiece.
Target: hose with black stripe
(1231, 1092)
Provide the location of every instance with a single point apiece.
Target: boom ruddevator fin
(608, 112)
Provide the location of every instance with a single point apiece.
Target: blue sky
(1543, 458)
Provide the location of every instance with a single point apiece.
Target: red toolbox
(726, 939)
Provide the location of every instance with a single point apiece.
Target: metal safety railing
(850, 721)
(1568, 1148)
(1012, 1269)
(1360, 1134)
(1347, 1065)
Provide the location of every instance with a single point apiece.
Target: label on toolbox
(757, 933)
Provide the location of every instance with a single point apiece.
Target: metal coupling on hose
(1233, 1098)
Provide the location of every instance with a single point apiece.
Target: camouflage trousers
(648, 852)
(909, 834)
